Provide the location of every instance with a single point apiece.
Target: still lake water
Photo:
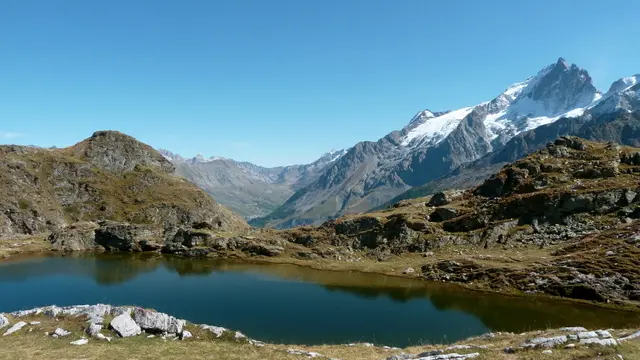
(286, 303)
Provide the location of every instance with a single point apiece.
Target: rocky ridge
(109, 177)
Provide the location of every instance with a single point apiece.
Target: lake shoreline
(36, 248)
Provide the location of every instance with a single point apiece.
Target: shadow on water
(284, 287)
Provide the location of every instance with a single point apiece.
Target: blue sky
(279, 82)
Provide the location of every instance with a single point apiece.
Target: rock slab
(124, 326)
(15, 328)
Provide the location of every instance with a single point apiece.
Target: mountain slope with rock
(108, 177)
(434, 144)
(247, 189)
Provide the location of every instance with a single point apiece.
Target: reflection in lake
(286, 303)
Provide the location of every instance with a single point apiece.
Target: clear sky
(279, 82)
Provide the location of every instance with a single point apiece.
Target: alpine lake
(289, 304)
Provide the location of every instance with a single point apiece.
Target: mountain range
(435, 151)
(247, 189)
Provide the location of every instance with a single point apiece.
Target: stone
(547, 352)
(439, 199)
(630, 337)
(61, 332)
(610, 253)
(443, 214)
(310, 354)
(157, 322)
(570, 346)
(604, 334)
(545, 342)
(52, 311)
(82, 341)
(77, 237)
(573, 329)
(509, 350)
(185, 335)
(3, 321)
(35, 323)
(119, 310)
(15, 328)
(124, 326)
(238, 335)
(429, 353)
(587, 335)
(216, 330)
(102, 337)
(601, 342)
(93, 329)
(408, 270)
(22, 313)
(453, 356)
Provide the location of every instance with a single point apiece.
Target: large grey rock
(587, 335)
(15, 328)
(439, 199)
(545, 342)
(443, 214)
(157, 322)
(601, 342)
(3, 321)
(124, 326)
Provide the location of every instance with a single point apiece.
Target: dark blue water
(284, 303)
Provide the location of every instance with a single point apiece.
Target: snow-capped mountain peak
(555, 91)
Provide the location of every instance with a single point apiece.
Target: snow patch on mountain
(435, 129)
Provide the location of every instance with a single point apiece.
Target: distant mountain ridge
(435, 143)
(248, 189)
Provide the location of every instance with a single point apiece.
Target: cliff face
(109, 176)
